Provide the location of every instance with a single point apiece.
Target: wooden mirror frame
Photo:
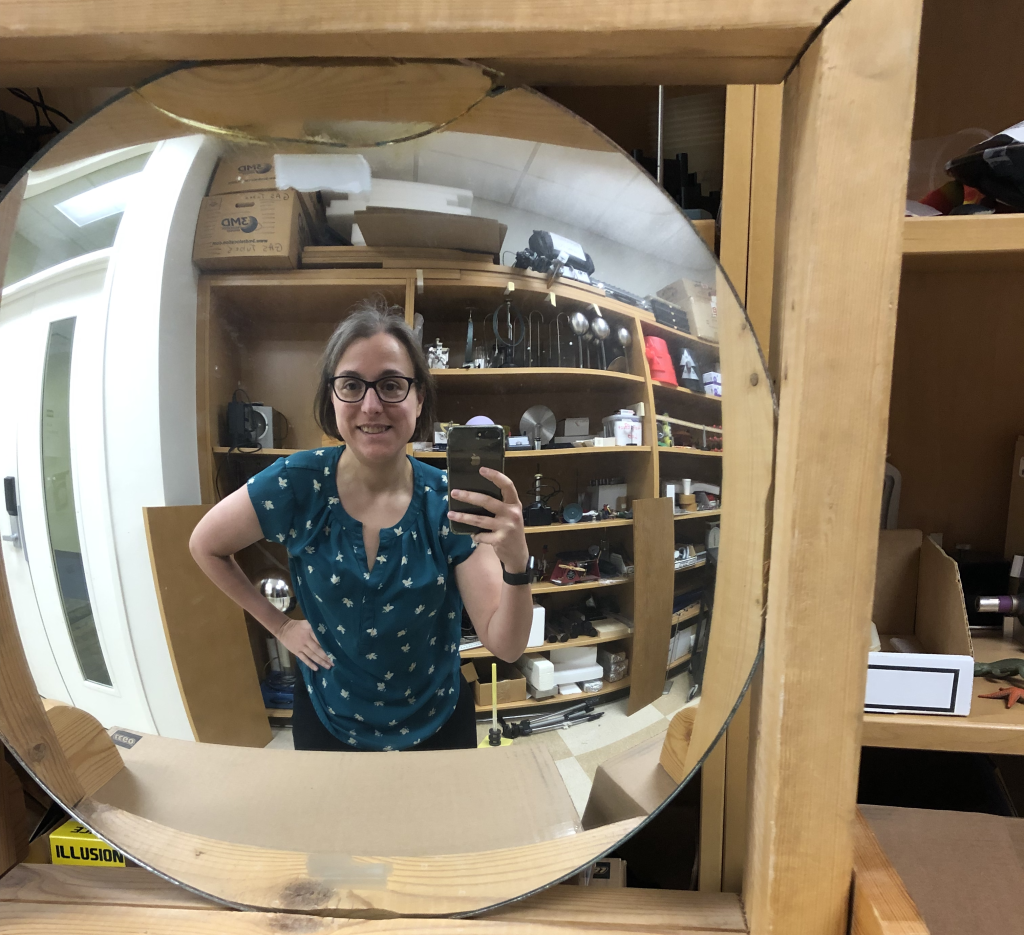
(849, 73)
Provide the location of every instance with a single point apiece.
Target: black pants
(457, 733)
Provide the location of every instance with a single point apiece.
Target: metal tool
(580, 325)
(534, 353)
(601, 330)
(538, 424)
(467, 361)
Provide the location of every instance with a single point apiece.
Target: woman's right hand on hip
(300, 640)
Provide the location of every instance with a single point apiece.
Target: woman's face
(376, 431)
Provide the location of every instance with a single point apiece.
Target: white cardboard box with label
(919, 605)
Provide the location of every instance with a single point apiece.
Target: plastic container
(625, 427)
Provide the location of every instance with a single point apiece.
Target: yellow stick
(494, 695)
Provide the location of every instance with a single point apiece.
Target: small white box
(537, 627)
(571, 656)
(919, 683)
(712, 376)
(713, 389)
(539, 672)
(606, 495)
(570, 688)
(577, 674)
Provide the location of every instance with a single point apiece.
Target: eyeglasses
(388, 389)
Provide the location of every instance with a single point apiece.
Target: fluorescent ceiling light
(100, 202)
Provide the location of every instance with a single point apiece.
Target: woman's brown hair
(368, 318)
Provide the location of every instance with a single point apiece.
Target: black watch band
(522, 577)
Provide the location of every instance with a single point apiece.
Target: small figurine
(664, 432)
(688, 373)
(437, 356)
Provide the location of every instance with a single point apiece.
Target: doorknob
(11, 499)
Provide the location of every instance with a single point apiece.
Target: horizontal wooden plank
(991, 727)
(629, 909)
(977, 242)
(755, 39)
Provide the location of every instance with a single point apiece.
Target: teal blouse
(392, 631)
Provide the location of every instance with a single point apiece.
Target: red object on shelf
(660, 360)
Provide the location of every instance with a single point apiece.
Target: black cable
(812, 38)
(40, 107)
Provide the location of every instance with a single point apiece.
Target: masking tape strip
(252, 139)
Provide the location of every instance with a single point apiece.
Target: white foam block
(577, 674)
(539, 672)
(570, 688)
(568, 657)
(313, 172)
(537, 627)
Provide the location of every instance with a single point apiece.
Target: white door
(61, 491)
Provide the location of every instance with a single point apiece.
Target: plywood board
(206, 636)
(847, 113)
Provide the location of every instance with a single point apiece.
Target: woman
(380, 577)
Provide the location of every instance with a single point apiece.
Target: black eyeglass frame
(372, 385)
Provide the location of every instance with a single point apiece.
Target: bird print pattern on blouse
(392, 630)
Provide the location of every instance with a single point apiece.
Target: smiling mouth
(374, 429)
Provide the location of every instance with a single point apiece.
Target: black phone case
(471, 447)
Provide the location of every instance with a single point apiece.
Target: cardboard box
(394, 227)
(245, 170)
(255, 230)
(918, 598)
(1015, 512)
(511, 682)
(75, 844)
(700, 304)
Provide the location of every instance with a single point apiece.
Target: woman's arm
(501, 613)
(230, 526)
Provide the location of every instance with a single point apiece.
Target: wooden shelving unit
(965, 243)
(700, 564)
(480, 652)
(691, 452)
(676, 663)
(578, 527)
(241, 344)
(546, 587)
(700, 514)
(525, 706)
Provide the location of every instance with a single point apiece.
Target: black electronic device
(471, 447)
(537, 513)
(241, 423)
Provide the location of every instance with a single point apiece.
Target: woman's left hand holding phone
(503, 531)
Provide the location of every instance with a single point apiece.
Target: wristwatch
(522, 577)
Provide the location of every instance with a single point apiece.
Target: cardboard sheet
(385, 804)
(964, 870)
(393, 227)
(630, 785)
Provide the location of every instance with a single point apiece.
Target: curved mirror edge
(717, 731)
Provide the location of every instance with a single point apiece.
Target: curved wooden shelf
(679, 571)
(675, 663)
(548, 452)
(546, 587)
(582, 524)
(550, 379)
(531, 703)
(480, 652)
(659, 330)
(692, 452)
(667, 392)
(700, 514)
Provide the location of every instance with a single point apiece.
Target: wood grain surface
(729, 41)
(90, 751)
(881, 903)
(206, 636)
(847, 114)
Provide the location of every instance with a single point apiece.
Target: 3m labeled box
(75, 844)
(252, 230)
(920, 604)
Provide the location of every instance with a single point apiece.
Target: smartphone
(471, 447)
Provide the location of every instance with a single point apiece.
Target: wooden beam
(847, 114)
(881, 904)
(576, 40)
(739, 146)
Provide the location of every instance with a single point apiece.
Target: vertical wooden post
(846, 128)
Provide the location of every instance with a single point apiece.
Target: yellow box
(73, 843)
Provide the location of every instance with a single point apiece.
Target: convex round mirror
(181, 266)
